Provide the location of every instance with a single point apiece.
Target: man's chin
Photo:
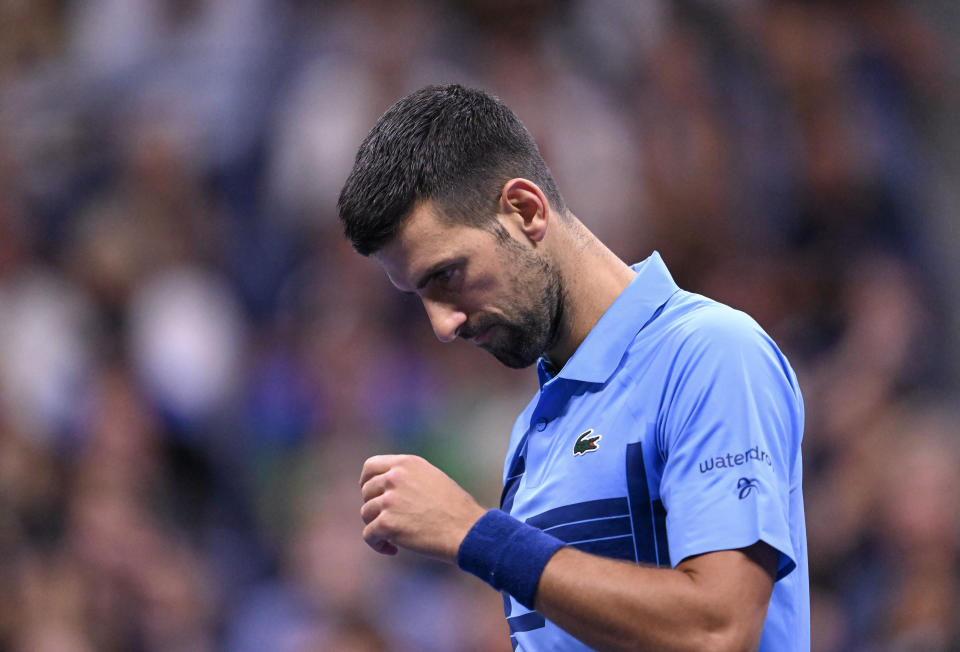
(509, 345)
(511, 359)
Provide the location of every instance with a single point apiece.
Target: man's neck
(593, 278)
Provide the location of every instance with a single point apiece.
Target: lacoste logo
(746, 485)
(586, 442)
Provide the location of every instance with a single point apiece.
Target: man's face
(476, 285)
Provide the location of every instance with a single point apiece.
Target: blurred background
(194, 363)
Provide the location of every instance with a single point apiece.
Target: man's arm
(714, 601)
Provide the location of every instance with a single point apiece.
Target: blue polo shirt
(674, 430)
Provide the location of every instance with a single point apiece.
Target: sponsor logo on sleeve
(747, 485)
(732, 460)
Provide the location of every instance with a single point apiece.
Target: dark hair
(449, 144)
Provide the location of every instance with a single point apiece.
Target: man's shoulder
(707, 341)
(690, 319)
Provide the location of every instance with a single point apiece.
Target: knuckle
(371, 509)
(388, 525)
(371, 489)
(374, 530)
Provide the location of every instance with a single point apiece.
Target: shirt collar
(600, 353)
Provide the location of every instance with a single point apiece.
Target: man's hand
(409, 503)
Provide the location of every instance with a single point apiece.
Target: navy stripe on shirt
(614, 547)
(596, 528)
(591, 509)
(512, 483)
(526, 622)
(647, 516)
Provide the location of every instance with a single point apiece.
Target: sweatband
(507, 554)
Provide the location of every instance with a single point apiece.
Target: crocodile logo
(586, 442)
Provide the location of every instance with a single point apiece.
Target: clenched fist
(409, 503)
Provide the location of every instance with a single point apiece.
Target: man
(652, 495)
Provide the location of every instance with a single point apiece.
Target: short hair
(448, 144)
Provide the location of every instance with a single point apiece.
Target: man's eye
(444, 276)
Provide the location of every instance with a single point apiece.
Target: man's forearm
(716, 601)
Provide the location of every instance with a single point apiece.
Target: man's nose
(445, 319)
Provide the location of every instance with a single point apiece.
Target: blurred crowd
(193, 363)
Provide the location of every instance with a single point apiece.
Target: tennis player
(652, 486)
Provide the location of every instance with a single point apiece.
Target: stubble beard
(531, 322)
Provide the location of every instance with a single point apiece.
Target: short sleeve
(729, 430)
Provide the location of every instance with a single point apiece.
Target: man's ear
(524, 202)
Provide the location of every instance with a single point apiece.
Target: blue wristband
(507, 554)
